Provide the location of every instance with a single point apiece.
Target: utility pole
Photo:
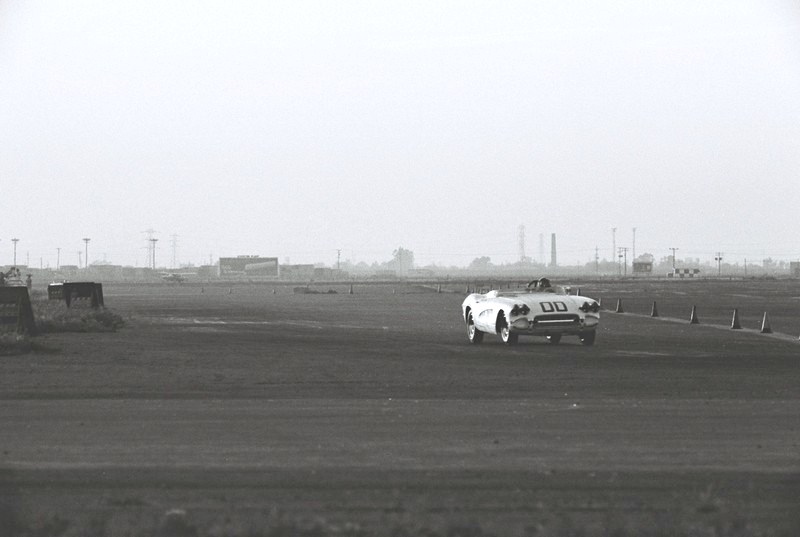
(718, 259)
(673, 257)
(80, 262)
(613, 242)
(58, 258)
(624, 251)
(15, 241)
(633, 254)
(521, 242)
(86, 243)
(338, 258)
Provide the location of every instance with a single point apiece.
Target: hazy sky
(295, 128)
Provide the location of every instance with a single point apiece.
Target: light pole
(15, 241)
(613, 242)
(86, 252)
(718, 259)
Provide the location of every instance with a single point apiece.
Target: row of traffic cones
(693, 319)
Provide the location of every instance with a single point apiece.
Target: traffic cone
(467, 290)
(619, 306)
(765, 327)
(735, 325)
(202, 290)
(439, 288)
(273, 291)
(351, 289)
(578, 292)
(230, 290)
(654, 311)
(694, 319)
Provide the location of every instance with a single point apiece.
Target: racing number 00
(549, 307)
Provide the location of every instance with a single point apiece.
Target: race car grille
(563, 319)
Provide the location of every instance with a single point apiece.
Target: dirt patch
(256, 413)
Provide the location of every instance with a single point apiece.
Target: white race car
(539, 310)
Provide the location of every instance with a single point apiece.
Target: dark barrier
(15, 309)
(55, 291)
(92, 291)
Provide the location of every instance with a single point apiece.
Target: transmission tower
(151, 245)
(153, 249)
(596, 260)
(541, 247)
(623, 251)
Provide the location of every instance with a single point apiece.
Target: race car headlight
(520, 309)
(593, 306)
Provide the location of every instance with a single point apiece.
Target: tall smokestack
(553, 262)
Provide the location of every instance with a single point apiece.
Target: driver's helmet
(544, 283)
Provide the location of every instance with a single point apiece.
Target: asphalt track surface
(370, 414)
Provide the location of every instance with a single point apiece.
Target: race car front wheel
(474, 335)
(506, 336)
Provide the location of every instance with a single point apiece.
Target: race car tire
(554, 339)
(587, 338)
(506, 335)
(474, 335)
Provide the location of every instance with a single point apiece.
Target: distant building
(794, 269)
(642, 267)
(297, 272)
(250, 265)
